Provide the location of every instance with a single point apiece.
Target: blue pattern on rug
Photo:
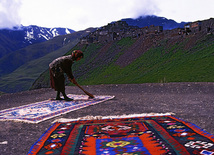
(40, 111)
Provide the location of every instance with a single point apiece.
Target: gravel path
(193, 102)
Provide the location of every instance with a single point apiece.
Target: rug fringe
(89, 117)
(19, 121)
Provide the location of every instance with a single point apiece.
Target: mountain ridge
(143, 21)
(21, 37)
(23, 75)
(17, 77)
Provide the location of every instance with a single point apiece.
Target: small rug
(40, 111)
(125, 135)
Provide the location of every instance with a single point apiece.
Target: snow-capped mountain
(35, 33)
(20, 37)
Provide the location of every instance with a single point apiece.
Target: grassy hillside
(23, 77)
(25, 69)
(157, 65)
(181, 59)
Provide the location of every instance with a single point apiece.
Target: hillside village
(120, 29)
(163, 53)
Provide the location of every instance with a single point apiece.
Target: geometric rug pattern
(40, 111)
(125, 135)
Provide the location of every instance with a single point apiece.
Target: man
(57, 69)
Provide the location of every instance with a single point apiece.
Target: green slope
(23, 77)
(156, 65)
(189, 60)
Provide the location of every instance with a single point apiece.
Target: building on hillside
(117, 31)
(206, 26)
(155, 29)
(110, 32)
(174, 32)
(195, 26)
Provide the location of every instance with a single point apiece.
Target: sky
(82, 14)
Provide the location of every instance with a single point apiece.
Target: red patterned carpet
(138, 134)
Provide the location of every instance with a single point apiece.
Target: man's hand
(73, 81)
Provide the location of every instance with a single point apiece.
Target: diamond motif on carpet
(134, 134)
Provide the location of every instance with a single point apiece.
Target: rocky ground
(193, 102)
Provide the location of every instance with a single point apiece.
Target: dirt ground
(193, 102)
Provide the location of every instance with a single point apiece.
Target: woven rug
(125, 135)
(40, 111)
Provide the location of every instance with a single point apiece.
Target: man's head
(77, 55)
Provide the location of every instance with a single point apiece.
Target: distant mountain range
(20, 37)
(144, 21)
(20, 68)
(26, 51)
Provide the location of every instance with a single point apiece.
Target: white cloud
(79, 15)
(186, 10)
(9, 13)
(82, 14)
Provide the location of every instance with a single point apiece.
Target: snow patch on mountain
(54, 32)
(67, 31)
(35, 33)
(29, 35)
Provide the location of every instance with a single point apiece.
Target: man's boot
(58, 96)
(66, 98)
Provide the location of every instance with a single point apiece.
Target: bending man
(60, 66)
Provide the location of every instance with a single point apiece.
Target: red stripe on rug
(166, 136)
(40, 143)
